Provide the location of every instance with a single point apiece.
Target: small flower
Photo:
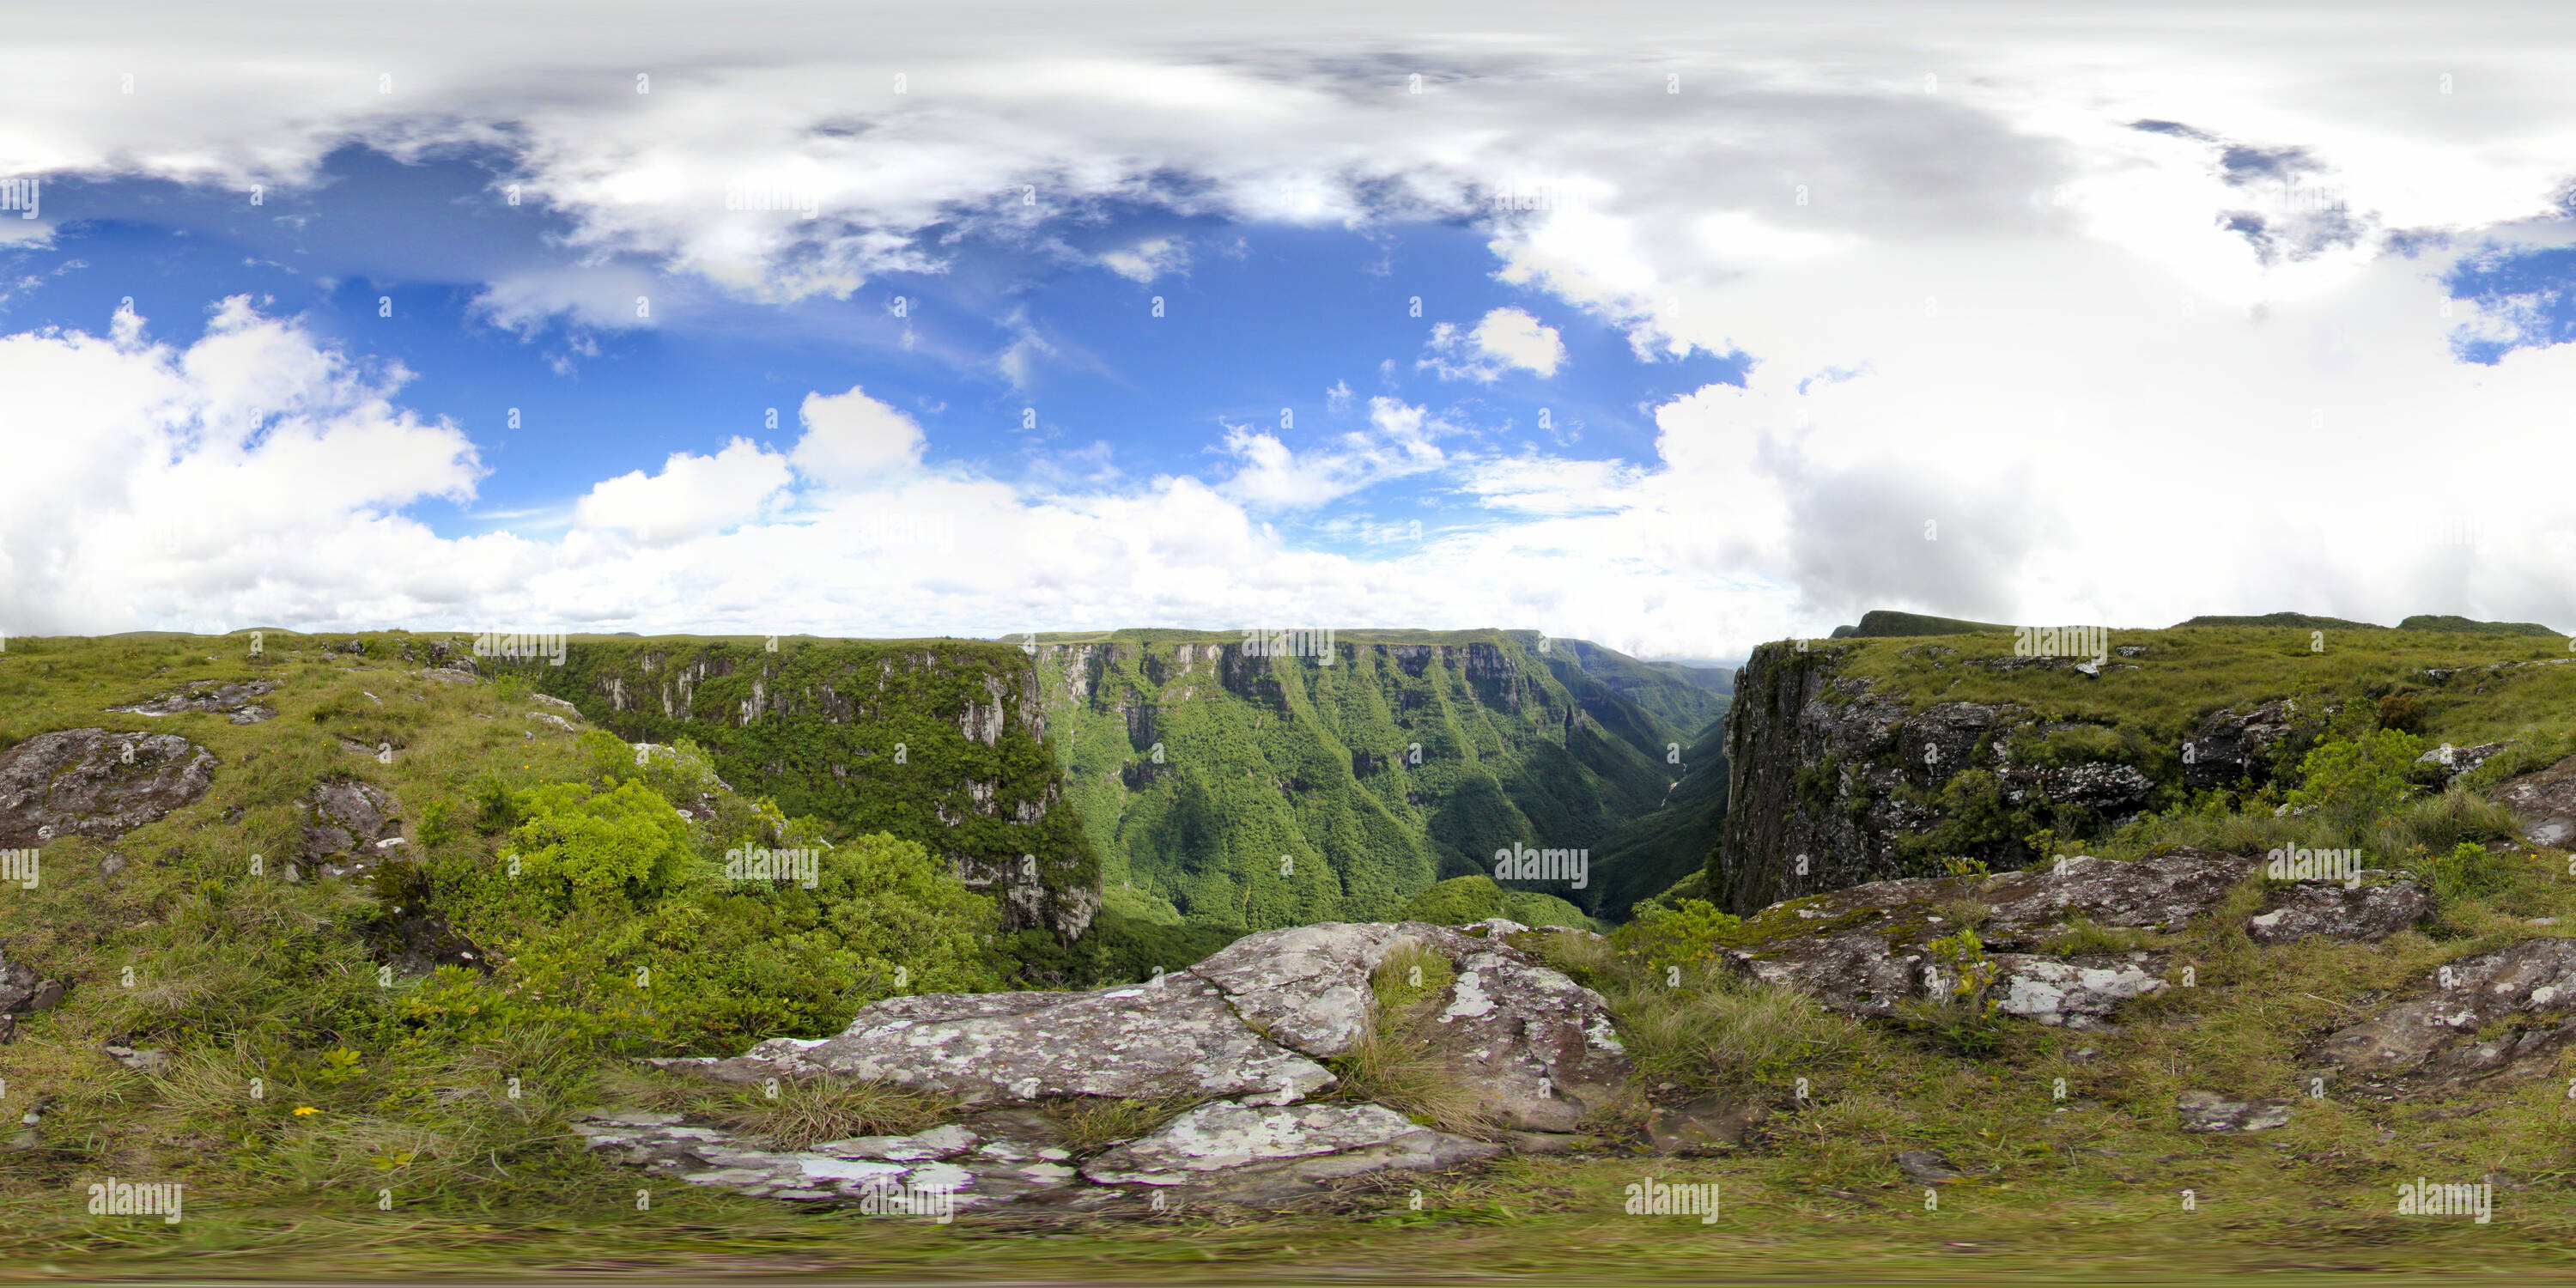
(301, 1110)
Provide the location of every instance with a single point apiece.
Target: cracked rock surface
(2430, 1040)
(96, 783)
(238, 700)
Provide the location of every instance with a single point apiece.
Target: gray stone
(143, 1061)
(2368, 913)
(1927, 1167)
(1268, 1155)
(94, 783)
(746, 1165)
(2075, 992)
(347, 817)
(1307, 987)
(211, 697)
(2547, 803)
(2207, 1111)
(2430, 1040)
(1144, 1041)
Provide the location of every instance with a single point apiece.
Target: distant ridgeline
(1209, 778)
(1880, 623)
(1278, 779)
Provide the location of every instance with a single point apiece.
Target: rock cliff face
(1833, 782)
(938, 741)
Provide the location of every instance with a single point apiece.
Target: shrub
(624, 841)
(1685, 935)
(2469, 871)
(2402, 711)
(2351, 783)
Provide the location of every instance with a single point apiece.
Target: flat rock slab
(2160, 892)
(2074, 992)
(1173, 1037)
(2207, 1111)
(2431, 1040)
(1273, 1154)
(2547, 803)
(966, 1170)
(237, 700)
(2366, 914)
(96, 783)
(348, 818)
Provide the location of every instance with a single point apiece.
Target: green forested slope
(1227, 788)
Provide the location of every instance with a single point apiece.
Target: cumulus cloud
(853, 441)
(691, 497)
(1506, 339)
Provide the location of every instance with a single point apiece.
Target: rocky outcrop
(2230, 747)
(349, 825)
(1173, 1037)
(238, 700)
(1273, 1154)
(95, 783)
(1250, 1023)
(935, 1174)
(2504, 1016)
(1866, 950)
(1243, 1031)
(2364, 913)
(2547, 803)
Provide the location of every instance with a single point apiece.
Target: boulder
(2159, 892)
(2547, 803)
(2451, 762)
(2367, 914)
(1173, 1037)
(2207, 1111)
(1536, 1047)
(2430, 1040)
(96, 783)
(1266, 1155)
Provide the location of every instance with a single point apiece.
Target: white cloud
(692, 496)
(1148, 259)
(1504, 340)
(1272, 476)
(854, 441)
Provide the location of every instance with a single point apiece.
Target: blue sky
(1729, 329)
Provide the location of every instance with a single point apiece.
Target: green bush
(1686, 934)
(577, 842)
(2351, 783)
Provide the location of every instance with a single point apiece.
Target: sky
(1673, 327)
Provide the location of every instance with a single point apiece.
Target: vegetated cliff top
(1881, 623)
(2466, 687)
